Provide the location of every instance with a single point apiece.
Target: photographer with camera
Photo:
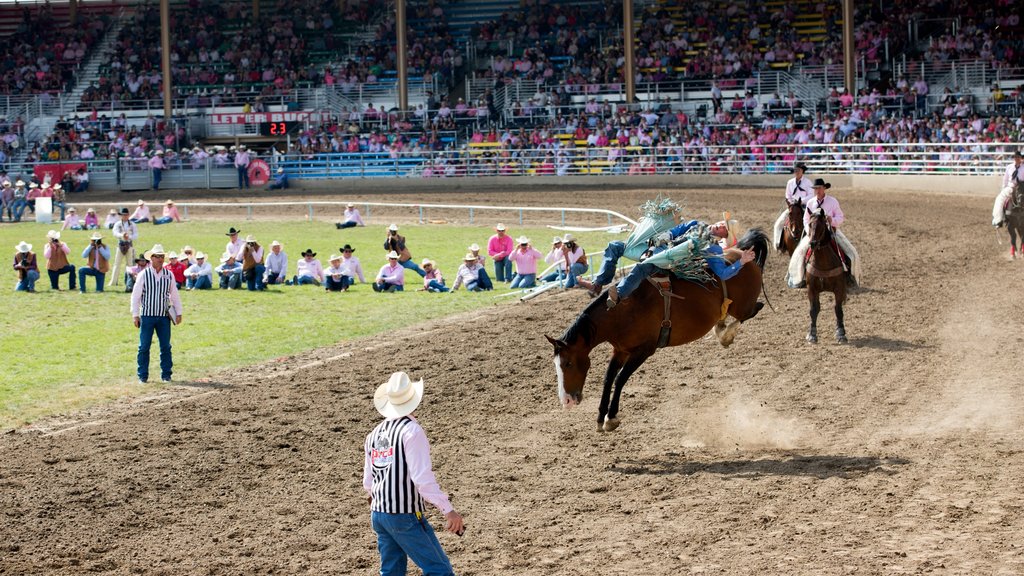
(126, 233)
(395, 242)
(252, 264)
(57, 264)
(97, 262)
(25, 266)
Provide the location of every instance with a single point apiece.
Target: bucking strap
(664, 286)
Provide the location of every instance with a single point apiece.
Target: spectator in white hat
(280, 181)
(433, 281)
(525, 258)
(395, 242)
(556, 257)
(170, 214)
(155, 306)
(498, 248)
(141, 213)
(472, 274)
(335, 279)
(199, 276)
(177, 268)
(57, 264)
(350, 218)
(277, 264)
(91, 222)
(25, 267)
(97, 262)
(229, 272)
(112, 218)
(157, 167)
(72, 221)
(391, 277)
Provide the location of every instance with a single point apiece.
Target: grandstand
(313, 84)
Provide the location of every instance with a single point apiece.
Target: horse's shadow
(820, 467)
(887, 344)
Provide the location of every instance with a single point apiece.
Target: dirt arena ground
(900, 453)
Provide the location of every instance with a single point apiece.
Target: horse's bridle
(827, 234)
(794, 221)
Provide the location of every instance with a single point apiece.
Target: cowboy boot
(1013, 252)
(613, 296)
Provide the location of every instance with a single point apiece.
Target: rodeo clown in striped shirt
(398, 476)
(155, 305)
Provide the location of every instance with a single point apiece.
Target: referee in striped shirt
(398, 476)
(155, 304)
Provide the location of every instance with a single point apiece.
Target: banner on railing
(55, 172)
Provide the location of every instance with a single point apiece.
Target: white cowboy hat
(141, 202)
(72, 210)
(200, 256)
(249, 238)
(275, 243)
(186, 249)
(56, 186)
(522, 240)
(427, 261)
(90, 211)
(280, 170)
(53, 234)
(20, 183)
(159, 152)
(474, 247)
(33, 185)
(23, 248)
(350, 205)
(334, 257)
(556, 240)
(393, 227)
(392, 254)
(225, 257)
(172, 255)
(568, 238)
(470, 257)
(156, 250)
(399, 396)
(7, 183)
(169, 202)
(96, 236)
(500, 227)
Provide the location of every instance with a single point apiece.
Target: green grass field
(64, 350)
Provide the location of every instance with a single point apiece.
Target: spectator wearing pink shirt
(499, 247)
(391, 277)
(433, 281)
(170, 214)
(351, 218)
(526, 258)
(141, 213)
(308, 270)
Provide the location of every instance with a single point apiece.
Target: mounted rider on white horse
(1013, 174)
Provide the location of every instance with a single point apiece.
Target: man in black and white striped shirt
(155, 305)
(398, 476)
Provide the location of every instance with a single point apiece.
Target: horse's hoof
(611, 424)
(600, 427)
(727, 336)
(812, 338)
(841, 338)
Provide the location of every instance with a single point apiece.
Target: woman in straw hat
(525, 258)
(399, 479)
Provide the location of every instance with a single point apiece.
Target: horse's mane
(583, 326)
(755, 239)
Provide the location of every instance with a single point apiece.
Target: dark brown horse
(1015, 220)
(793, 229)
(826, 272)
(633, 327)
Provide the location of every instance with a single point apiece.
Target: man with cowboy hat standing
(97, 262)
(125, 232)
(156, 164)
(242, 158)
(398, 477)
(155, 306)
(26, 268)
(835, 216)
(57, 264)
(797, 189)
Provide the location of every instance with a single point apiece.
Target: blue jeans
(343, 225)
(524, 281)
(157, 175)
(138, 220)
(18, 206)
(243, 176)
(385, 287)
(163, 220)
(410, 265)
(574, 271)
(29, 283)
(300, 280)
(63, 209)
(335, 285)
(231, 281)
(612, 253)
(503, 270)
(482, 282)
(254, 278)
(632, 281)
(404, 536)
(556, 275)
(162, 326)
(274, 278)
(86, 271)
(200, 283)
(5, 208)
(435, 286)
(56, 274)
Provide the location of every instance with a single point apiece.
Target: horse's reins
(832, 272)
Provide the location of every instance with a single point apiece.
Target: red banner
(56, 171)
(259, 172)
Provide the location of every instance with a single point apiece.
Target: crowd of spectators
(101, 137)
(41, 56)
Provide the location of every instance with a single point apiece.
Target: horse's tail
(756, 239)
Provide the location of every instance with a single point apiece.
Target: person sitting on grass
(177, 269)
(112, 218)
(199, 276)
(280, 181)
(335, 279)
(229, 272)
(277, 264)
(91, 222)
(433, 281)
(349, 263)
(474, 249)
(72, 221)
(556, 257)
(351, 218)
(132, 273)
(308, 270)
(141, 213)
(391, 277)
(170, 214)
(472, 274)
(525, 258)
